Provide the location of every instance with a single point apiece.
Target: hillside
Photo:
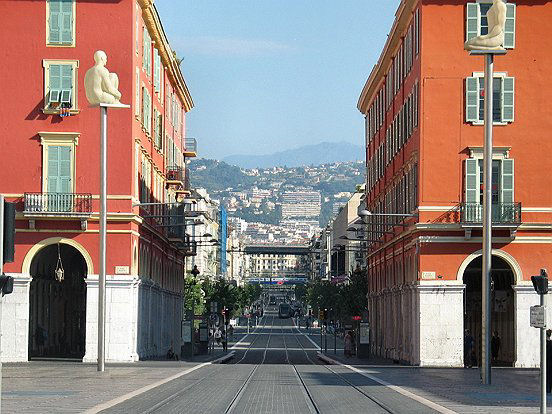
(254, 195)
(319, 154)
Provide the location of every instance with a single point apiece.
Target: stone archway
(503, 278)
(57, 309)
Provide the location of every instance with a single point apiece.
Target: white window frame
(500, 75)
(68, 139)
(480, 16)
(74, 96)
(74, 34)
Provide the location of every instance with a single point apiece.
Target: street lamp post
(487, 210)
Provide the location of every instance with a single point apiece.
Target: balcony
(62, 205)
(503, 215)
(175, 175)
(190, 147)
(57, 204)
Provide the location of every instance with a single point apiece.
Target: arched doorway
(57, 315)
(502, 307)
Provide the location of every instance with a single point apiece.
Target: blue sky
(269, 75)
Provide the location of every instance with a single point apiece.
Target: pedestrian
(231, 332)
(468, 349)
(348, 344)
(549, 361)
(224, 340)
(495, 346)
(218, 336)
(307, 323)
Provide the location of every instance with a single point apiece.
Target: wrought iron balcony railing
(501, 213)
(58, 204)
(190, 144)
(175, 173)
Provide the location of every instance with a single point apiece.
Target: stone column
(527, 346)
(15, 320)
(441, 313)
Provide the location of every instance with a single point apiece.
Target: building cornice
(153, 23)
(402, 19)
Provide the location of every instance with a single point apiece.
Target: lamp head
(364, 213)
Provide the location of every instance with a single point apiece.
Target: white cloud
(223, 46)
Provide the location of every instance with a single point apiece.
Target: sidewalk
(512, 390)
(73, 387)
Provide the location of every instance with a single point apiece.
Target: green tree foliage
(345, 300)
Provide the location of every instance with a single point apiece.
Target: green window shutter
(507, 184)
(508, 99)
(59, 169)
(54, 7)
(471, 181)
(55, 76)
(145, 51)
(510, 27)
(66, 20)
(472, 99)
(473, 20)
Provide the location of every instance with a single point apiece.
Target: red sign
(357, 318)
(280, 282)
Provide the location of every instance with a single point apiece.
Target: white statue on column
(494, 40)
(100, 85)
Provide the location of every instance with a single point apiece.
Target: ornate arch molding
(26, 267)
(508, 258)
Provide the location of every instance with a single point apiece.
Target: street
(275, 369)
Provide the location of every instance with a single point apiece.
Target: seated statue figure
(494, 40)
(100, 85)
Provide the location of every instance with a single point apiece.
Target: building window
(477, 24)
(502, 188)
(503, 98)
(58, 167)
(146, 111)
(60, 85)
(146, 58)
(60, 22)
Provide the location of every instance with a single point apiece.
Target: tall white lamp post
(101, 90)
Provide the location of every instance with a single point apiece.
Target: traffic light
(9, 232)
(226, 316)
(540, 283)
(322, 314)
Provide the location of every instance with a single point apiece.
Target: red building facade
(423, 104)
(50, 144)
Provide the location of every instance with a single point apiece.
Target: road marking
(306, 336)
(421, 400)
(118, 400)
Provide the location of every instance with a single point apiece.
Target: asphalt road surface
(275, 370)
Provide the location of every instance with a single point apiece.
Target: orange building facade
(50, 157)
(423, 106)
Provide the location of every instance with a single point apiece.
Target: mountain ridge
(307, 155)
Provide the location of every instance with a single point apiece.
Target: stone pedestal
(15, 320)
(527, 338)
(440, 308)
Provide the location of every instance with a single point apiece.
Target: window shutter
(137, 106)
(55, 76)
(156, 70)
(472, 99)
(510, 27)
(66, 21)
(53, 168)
(508, 99)
(54, 7)
(473, 20)
(64, 169)
(66, 77)
(471, 181)
(507, 184)
(145, 49)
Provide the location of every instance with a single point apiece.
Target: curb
(327, 359)
(224, 358)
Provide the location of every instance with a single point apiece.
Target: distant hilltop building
(301, 204)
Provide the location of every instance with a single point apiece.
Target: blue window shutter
(508, 99)
(510, 27)
(66, 22)
(55, 76)
(53, 169)
(66, 76)
(472, 99)
(145, 51)
(473, 20)
(64, 169)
